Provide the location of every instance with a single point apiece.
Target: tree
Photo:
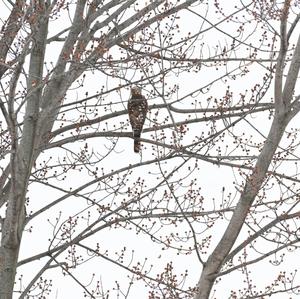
(213, 193)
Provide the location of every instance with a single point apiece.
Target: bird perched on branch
(137, 111)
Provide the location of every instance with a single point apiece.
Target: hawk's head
(136, 91)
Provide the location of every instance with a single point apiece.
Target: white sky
(211, 180)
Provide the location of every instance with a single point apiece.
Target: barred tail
(137, 144)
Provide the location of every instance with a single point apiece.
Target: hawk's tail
(137, 143)
(136, 146)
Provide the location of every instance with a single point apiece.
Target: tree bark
(253, 184)
(283, 114)
(21, 162)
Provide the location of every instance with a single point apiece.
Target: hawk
(137, 111)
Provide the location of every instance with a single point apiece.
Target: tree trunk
(254, 182)
(283, 114)
(22, 158)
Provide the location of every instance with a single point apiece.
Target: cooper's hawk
(137, 111)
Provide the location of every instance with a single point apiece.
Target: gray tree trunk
(284, 111)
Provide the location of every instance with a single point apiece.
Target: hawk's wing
(137, 110)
